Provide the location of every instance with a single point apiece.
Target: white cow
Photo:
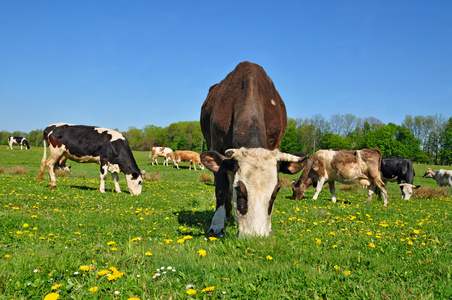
(442, 177)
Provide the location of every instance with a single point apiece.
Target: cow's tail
(43, 162)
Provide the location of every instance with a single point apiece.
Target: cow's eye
(139, 182)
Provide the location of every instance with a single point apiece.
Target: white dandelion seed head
(189, 286)
(117, 292)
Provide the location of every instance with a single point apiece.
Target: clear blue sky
(134, 63)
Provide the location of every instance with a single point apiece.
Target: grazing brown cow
(190, 156)
(344, 166)
(245, 112)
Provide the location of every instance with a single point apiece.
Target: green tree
(446, 144)
(289, 142)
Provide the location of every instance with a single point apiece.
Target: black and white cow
(400, 170)
(81, 143)
(18, 140)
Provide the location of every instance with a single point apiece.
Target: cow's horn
(230, 153)
(289, 157)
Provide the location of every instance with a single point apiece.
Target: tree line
(423, 139)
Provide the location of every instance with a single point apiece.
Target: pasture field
(76, 243)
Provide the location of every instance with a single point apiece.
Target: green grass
(319, 250)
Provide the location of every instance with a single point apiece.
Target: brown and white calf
(165, 152)
(344, 166)
(442, 177)
(188, 156)
(18, 140)
(81, 143)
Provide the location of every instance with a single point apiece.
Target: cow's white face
(254, 189)
(135, 182)
(407, 190)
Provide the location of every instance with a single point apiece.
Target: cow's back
(243, 110)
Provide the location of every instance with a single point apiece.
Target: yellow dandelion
(336, 267)
(25, 225)
(148, 253)
(103, 272)
(110, 243)
(7, 256)
(202, 252)
(85, 268)
(371, 245)
(208, 289)
(268, 257)
(191, 291)
(180, 241)
(56, 287)
(187, 237)
(318, 241)
(94, 289)
(347, 273)
(52, 296)
(212, 238)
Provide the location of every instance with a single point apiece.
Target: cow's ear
(212, 160)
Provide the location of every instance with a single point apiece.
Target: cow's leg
(224, 204)
(333, 191)
(194, 165)
(115, 179)
(55, 155)
(103, 175)
(370, 193)
(381, 186)
(319, 187)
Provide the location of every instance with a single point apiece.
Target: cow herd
(242, 120)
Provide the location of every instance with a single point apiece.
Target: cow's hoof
(211, 232)
(52, 187)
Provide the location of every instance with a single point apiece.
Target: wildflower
(103, 272)
(187, 237)
(371, 245)
(180, 241)
(315, 223)
(318, 241)
(52, 296)
(208, 289)
(409, 252)
(25, 225)
(133, 298)
(94, 289)
(7, 256)
(212, 238)
(334, 246)
(85, 268)
(336, 267)
(114, 249)
(202, 253)
(191, 291)
(56, 287)
(268, 257)
(369, 233)
(416, 231)
(347, 273)
(332, 233)
(111, 243)
(116, 274)
(148, 253)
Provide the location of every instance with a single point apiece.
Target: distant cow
(18, 140)
(245, 112)
(80, 143)
(164, 152)
(190, 156)
(400, 170)
(344, 166)
(442, 177)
